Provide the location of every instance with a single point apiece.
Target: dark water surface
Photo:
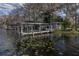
(66, 45)
(7, 46)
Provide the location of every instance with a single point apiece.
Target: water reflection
(64, 44)
(7, 46)
(67, 45)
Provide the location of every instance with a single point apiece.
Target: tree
(49, 17)
(35, 10)
(66, 24)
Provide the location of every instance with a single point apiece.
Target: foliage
(66, 24)
(37, 46)
(49, 17)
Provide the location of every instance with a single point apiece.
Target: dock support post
(21, 29)
(40, 28)
(32, 30)
(51, 27)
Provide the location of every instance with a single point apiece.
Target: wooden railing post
(39, 28)
(51, 27)
(21, 28)
(32, 30)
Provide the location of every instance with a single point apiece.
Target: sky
(61, 13)
(5, 8)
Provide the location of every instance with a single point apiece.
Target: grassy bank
(68, 33)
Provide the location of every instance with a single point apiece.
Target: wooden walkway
(34, 28)
(33, 33)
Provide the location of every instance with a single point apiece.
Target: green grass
(67, 33)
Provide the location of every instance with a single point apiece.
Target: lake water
(7, 43)
(66, 45)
